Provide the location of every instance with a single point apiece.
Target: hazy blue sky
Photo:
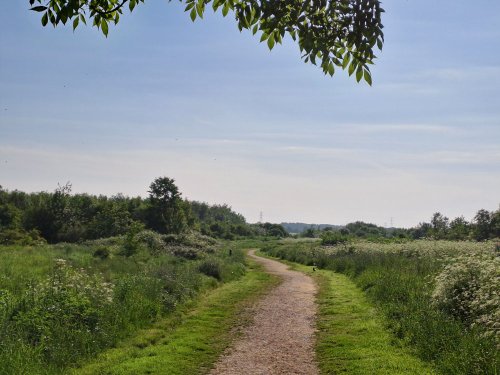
(262, 131)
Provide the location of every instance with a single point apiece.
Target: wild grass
(61, 305)
(400, 280)
(190, 340)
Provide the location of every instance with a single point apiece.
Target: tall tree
(439, 226)
(166, 212)
(482, 225)
(332, 33)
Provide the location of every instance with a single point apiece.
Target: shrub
(101, 252)
(211, 267)
(333, 238)
(154, 241)
(468, 290)
(68, 301)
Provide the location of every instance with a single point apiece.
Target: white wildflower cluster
(67, 280)
(439, 250)
(468, 288)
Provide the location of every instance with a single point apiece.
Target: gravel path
(281, 338)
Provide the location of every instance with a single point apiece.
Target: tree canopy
(332, 33)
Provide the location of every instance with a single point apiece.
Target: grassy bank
(190, 341)
(351, 336)
(61, 305)
(400, 284)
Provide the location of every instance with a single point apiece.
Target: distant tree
(344, 231)
(10, 216)
(308, 233)
(166, 210)
(422, 230)
(459, 229)
(440, 226)
(274, 230)
(495, 224)
(482, 225)
(331, 33)
(365, 230)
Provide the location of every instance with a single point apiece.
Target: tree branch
(102, 13)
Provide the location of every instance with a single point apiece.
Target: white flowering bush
(468, 288)
(70, 300)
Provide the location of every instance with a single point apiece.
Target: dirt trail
(281, 338)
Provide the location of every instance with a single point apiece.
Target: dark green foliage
(65, 217)
(271, 230)
(211, 267)
(333, 238)
(484, 226)
(101, 252)
(332, 33)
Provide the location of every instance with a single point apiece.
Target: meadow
(439, 299)
(62, 304)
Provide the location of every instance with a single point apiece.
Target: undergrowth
(62, 304)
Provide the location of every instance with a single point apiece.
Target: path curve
(281, 338)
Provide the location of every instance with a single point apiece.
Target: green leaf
(379, 44)
(347, 58)
(132, 4)
(193, 14)
(352, 67)
(39, 8)
(200, 7)
(104, 27)
(45, 19)
(75, 23)
(331, 69)
(225, 9)
(368, 77)
(359, 74)
(270, 41)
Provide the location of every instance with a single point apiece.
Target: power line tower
(261, 215)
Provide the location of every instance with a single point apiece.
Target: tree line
(485, 225)
(61, 216)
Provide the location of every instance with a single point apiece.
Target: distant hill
(300, 227)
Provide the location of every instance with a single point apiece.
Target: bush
(154, 241)
(333, 238)
(68, 301)
(101, 252)
(468, 290)
(211, 267)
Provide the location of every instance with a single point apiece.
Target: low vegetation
(62, 304)
(351, 337)
(440, 298)
(190, 340)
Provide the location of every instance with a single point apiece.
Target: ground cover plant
(440, 298)
(61, 304)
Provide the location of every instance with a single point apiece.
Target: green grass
(190, 340)
(398, 281)
(351, 337)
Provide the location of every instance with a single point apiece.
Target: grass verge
(191, 340)
(351, 338)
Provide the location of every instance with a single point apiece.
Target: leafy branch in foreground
(331, 33)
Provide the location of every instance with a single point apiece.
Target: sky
(260, 130)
